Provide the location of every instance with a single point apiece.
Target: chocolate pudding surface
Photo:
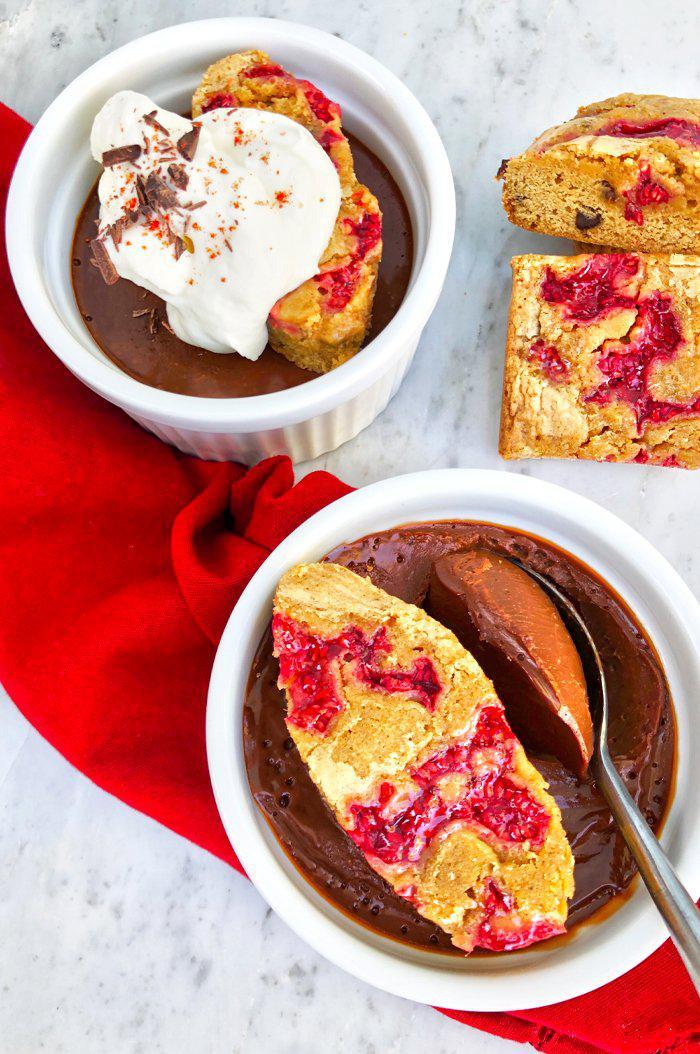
(125, 320)
(641, 739)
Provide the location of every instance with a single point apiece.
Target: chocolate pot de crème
(247, 239)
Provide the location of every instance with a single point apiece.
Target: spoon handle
(668, 893)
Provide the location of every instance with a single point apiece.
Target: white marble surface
(117, 935)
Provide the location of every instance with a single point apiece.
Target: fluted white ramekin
(55, 172)
(548, 973)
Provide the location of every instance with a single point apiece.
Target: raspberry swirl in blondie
(405, 738)
(603, 359)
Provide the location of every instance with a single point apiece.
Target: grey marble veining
(117, 935)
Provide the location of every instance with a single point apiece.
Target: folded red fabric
(120, 562)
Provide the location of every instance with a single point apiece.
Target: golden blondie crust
(324, 321)
(624, 172)
(406, 740)
(603, 359)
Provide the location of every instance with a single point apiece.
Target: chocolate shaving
(178, 174)
(153, 321)
(140, 311)
(179, 248)
(121, 153)
(116, 229)
(150, 118)
(141, 192)
(194, 205)
(102, 260)
(164, 324)
(159, 194)
(187, 143)
(502, 168)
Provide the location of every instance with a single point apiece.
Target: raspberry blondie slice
(603, 359)
(324, 321)
(406, 740)
(624, 172)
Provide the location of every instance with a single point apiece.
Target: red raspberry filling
(338, 287)
(367, 230)
(686, 132)
(310, 669)
(499, 932)
(222, 100)
(656, 337)
(595, 290)
(328, 137)
(489, 799)
(263, 71)
(646, 191)
(321, 106)
(550, 360)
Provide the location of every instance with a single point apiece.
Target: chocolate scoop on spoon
(483, 598)
(517, 636)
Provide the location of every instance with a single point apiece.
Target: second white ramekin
(55, 172)
(548, 973)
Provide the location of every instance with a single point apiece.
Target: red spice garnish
(646, 191)
(595, 290)
(310, 664)
(282, 197)
(489, 798)
(547, 356)
(655, 337)
(686, 132)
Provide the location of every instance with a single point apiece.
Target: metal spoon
(668, 893)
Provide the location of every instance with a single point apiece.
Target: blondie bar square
(603, 359)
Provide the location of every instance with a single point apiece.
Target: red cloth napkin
(120, 561)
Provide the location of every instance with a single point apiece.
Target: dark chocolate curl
(103, 261)
(187, 143)
(119, 154)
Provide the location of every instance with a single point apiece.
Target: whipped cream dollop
(219, 217)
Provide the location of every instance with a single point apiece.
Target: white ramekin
(55, 172)
(596, 953)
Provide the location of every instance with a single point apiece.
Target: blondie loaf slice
(324, 321)
(406, 740)
(624, 172)
(603, 359)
